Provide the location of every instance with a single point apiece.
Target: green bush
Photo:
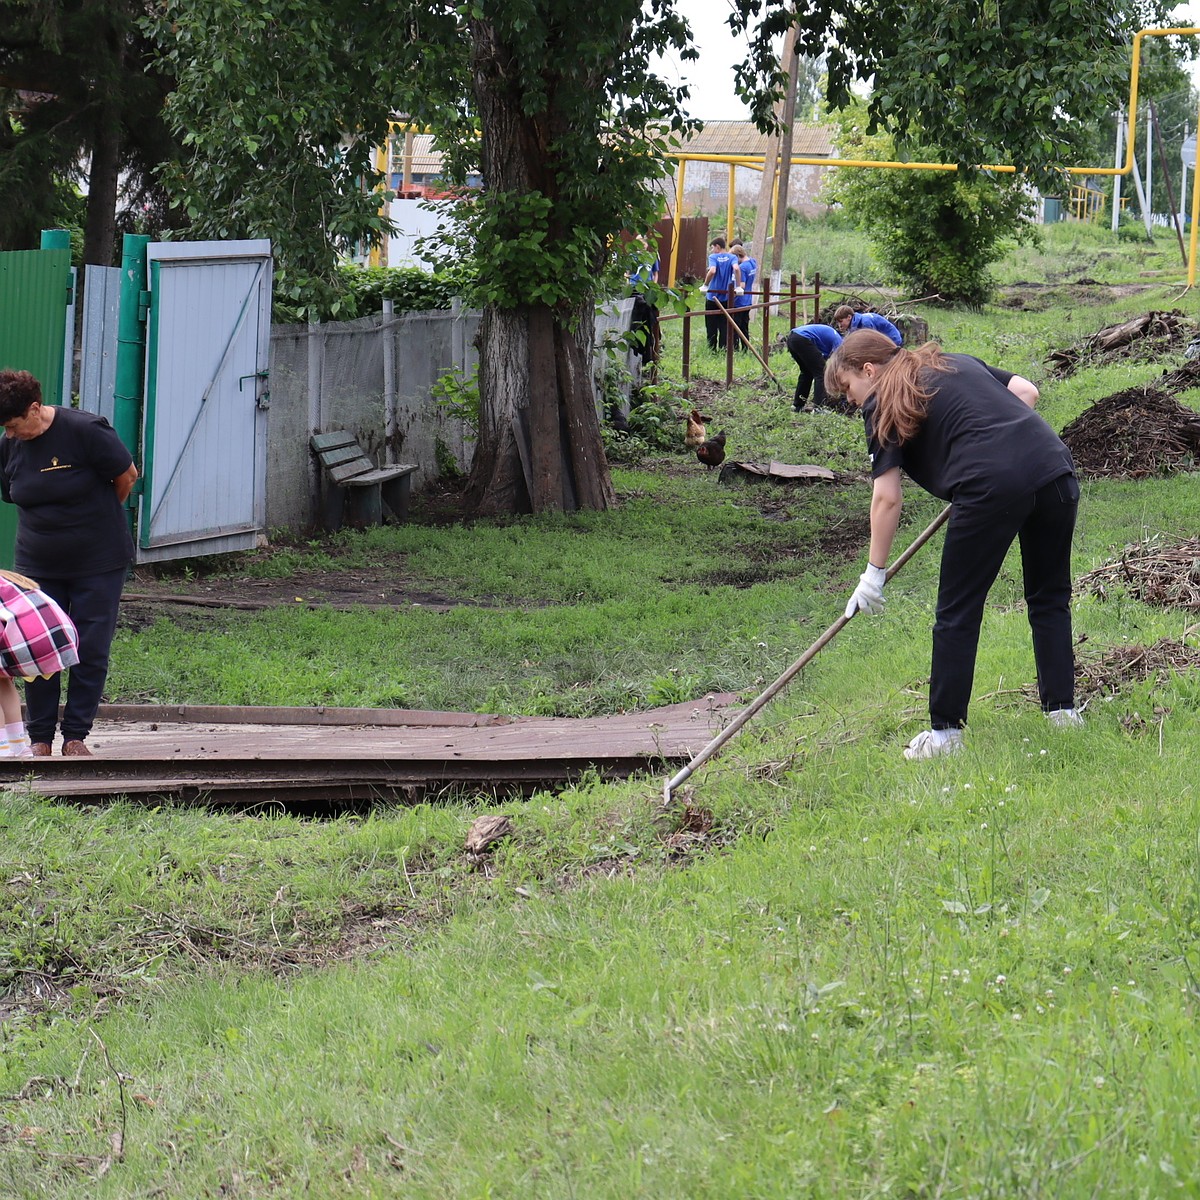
(409, 288)
(936, 233)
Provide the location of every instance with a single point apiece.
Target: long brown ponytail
(900, 396)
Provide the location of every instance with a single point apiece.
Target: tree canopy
(936, 233)
(281, 102)
(985, 81)
(79, 100)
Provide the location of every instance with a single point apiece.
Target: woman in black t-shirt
(69, 475)
(967, 432)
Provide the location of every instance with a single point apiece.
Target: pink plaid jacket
(38, 637)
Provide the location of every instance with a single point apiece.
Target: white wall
(414, 219)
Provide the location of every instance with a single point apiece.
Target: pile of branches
(1143, 338)
(1102, 675)
(1120, 666)
(1164, 575)
(1132, 434)
(1184, 377)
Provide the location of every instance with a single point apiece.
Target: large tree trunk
(539, 446)
(100, 228)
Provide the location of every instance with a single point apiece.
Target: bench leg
(366, 506)
(333, 506)
(396, 495)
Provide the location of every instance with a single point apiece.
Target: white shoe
(932, 742)
(1063, 717)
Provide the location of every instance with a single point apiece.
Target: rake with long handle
(731, 324)
(755, 706)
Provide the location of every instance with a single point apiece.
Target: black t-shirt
(70, 523)
(978, 443)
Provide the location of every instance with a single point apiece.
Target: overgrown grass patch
(822, 971)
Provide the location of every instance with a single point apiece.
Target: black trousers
(741, 318)
(92, 603)
(643, 327)
(977, 540)
(811, 362)
(715, 324)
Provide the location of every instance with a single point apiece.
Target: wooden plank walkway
(325, 756)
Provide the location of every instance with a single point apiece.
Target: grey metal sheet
(98, 364)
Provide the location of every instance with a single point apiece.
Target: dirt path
(374, 587)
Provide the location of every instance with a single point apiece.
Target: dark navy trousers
(93, 604)
(977, 540)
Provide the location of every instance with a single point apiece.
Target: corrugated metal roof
(426, 160)
(742, 137)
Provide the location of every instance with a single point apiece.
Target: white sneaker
(1062, 717)
(932, 742)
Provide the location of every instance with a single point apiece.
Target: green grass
(822, 972)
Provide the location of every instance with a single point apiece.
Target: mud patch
(847, 539)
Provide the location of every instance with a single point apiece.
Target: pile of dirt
(1165, 575)
(1145, 338)
(1133, 434)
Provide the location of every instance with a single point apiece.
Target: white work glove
(739, 291)
(868, 596)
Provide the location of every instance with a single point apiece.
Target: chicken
(712, 452)
(696, 433)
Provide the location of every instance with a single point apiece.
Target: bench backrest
(341, 455)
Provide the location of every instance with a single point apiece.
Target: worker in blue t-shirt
(810, 346)
(644, 272)
(846, 320)
(722, 274)
(741, 303)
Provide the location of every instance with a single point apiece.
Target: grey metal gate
(204, 433)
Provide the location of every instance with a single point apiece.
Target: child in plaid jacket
(38, 638)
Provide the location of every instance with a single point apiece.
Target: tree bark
(100, 226)
(539, 448)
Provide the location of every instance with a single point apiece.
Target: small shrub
(458, 396)
(409, 288)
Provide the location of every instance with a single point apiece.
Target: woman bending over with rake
(967, 432)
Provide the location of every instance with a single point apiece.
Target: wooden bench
(354, 477)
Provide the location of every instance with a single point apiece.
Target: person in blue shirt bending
(723, 272)
(810, 346)
(741, 304)
(846, 320)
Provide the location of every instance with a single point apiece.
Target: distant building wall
(706, 188)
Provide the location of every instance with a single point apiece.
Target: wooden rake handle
(756, 705)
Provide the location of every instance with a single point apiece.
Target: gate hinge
(143, 305)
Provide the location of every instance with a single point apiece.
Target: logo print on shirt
(55, 465)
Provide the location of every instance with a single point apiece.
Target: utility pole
(1116, 207)
(1149, 165)
(766, 187)
(785, 166)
